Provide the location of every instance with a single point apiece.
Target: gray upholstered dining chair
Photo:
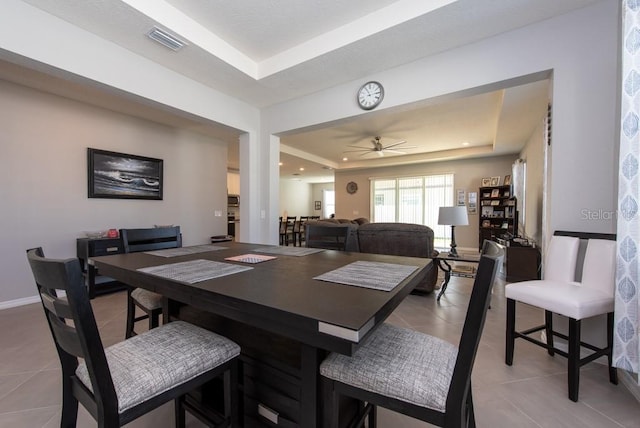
(128, 379)
(135, 240)
(410, 372)
(559, 293)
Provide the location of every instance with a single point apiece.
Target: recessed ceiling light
(280, 163)
(301, 169)
(465, 143)
(345, 159)
(165, 39)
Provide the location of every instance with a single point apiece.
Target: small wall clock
(370, 95)
(352, 187)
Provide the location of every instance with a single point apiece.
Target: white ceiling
(268, 51)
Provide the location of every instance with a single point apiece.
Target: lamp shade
(453, 216)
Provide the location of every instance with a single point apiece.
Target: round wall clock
(352, 187)
(370, 95)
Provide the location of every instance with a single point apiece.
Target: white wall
(43, 170)
(581, 50)
(295, 198)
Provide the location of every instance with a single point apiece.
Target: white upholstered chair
(558, 293)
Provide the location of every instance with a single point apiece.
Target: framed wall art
(122, 176)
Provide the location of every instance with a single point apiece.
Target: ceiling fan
(380, 149)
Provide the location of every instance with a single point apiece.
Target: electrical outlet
(217, 213)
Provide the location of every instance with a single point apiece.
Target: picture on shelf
(495, 193)
(495, 181)
(486, 182)
(507, 180)
(507, 194)
(495, 202)
(487, 211)
(505, 225)
(486, 223)
(486, 194)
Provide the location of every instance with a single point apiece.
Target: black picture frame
(318, 205)
(114, 175)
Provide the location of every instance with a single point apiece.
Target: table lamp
(453, 216)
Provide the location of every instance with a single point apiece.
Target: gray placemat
(194, 270)
(375, 275)
(183, 251)
(288, 251)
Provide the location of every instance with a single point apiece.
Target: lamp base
(452, 252)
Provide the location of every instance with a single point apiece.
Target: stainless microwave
(233, 200)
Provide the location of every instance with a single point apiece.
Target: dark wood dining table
(280, 297)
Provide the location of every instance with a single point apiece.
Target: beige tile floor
(531, 393)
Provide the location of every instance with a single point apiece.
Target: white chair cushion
(146, 298)
(399, 363)
(158, 360)
(569, 299)
(561, 259)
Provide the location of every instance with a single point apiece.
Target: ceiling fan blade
(358, 151)
(394, 144)
(380, 153)
(367, 153)
(395, 151)
(360, 147)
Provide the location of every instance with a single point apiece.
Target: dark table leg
(447, 276)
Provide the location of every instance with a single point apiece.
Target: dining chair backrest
(599, 268)
(73, 325)
(327, 237)
(156, 238)
(561, 259)
(471, 333)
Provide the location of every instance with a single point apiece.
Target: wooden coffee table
(442, 262)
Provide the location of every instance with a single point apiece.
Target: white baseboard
(19, 302)
(630, 381)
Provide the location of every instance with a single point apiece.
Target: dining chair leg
(613, 372)
(154, 318)
(373, 416)
(231, 395)
(471, 417)
(548, 326)
(574, 359)
(131, 314)
(69, 402)
(330, 404)
(180, 412)
(510, 331)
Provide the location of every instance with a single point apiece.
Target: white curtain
(627, 304)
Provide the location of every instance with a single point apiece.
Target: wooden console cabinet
(90, 247)
(523, 263)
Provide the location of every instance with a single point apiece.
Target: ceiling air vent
(166, 39)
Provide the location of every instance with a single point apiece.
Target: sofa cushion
(401, 239)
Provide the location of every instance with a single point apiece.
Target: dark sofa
(399, 239)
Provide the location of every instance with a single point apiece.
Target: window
(414, 200)
(328, 203)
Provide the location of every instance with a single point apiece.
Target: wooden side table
(442, 261)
